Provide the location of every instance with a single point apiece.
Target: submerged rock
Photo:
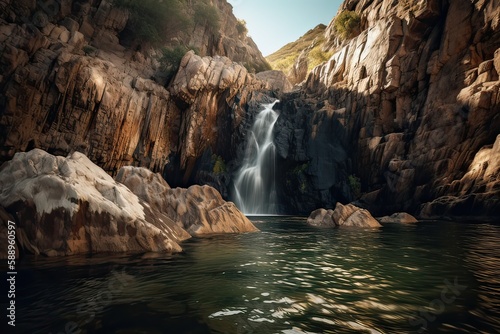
(343, 215)
(399, 217)
(198, 209)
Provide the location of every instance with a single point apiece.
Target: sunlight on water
(289, 278)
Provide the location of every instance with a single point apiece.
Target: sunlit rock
(413, 98)
(198, 209)
(343, 216)
(476, 192)
(67, 206)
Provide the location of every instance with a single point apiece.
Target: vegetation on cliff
(154, 21)
(346, 24)
(309, 47)
(177, 25)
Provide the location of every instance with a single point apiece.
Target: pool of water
(431, 277)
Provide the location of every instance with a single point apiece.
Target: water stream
(255, 191)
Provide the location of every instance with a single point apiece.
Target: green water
(432, 277)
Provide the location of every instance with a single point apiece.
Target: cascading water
(255, 191)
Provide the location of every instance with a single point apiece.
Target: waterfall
(255, 191)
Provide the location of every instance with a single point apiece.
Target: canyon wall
(71, 81)
(404, 116)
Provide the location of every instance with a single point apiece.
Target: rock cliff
(403, 115)
(70, 80)
(406, 108)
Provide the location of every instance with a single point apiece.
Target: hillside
(298, 58)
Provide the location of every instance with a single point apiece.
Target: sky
(274, 23)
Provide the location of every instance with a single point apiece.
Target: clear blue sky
(274, 23)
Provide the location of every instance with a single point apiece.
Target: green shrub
(241, 26)
(285, 64)
(317, 56)
(347, 24)
(208, 15)
(89, 50)
(300, 169)
(154, 21)
(354, 185)
(219, 164)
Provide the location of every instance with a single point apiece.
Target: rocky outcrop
(343, 216)
(64, 206)
(203, 84)
(277, 81)
(405, 106)
(198, 209)
(321, 218)
(229, 41)
(399, 217)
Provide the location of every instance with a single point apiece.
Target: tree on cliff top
(158, 21)
(155, 21)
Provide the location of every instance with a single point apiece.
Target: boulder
(399, 217)
(199, 209)
(203, 211)
(321, 218)
(343, 216)
(65, 206)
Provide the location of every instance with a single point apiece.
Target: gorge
(128, 129)
(402, 109)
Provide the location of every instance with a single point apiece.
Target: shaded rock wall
(407, 104)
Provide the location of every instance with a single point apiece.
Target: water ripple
(289, 278)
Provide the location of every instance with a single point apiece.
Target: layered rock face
(67, 83)
(405, 106)
(65, 206)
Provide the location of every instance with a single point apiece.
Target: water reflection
(289, 278)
